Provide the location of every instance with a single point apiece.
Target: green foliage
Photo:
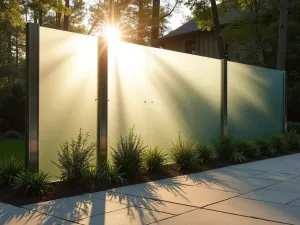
(109, 174)
(12, 109)
(184, 154)
(32, 184)
(205, 153)
(293, 141)
(128, 154)
(293, 127)
(247, 147)
(237, 157)
(9, 169)
(154, 159)
(90, 176)
(74, 158)
(12, 134)
(227, 150)
(279, 143)
(13, 147)
(265, 147)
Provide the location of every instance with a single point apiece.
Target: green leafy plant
(227, 150)
(293, 127)
(293, 141)
(279, 143)
(9, 169)
(154, 159)
(128, 154)
(265, 147)
(74, 158)
(237, 157)
(12, 134)
(205, 153)
(91, 176)
(247, 147)
(32, 184)
(109, 174)
(184, 154)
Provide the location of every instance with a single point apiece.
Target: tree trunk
(17, 53)
(141, 22)
(217, 28)
(155, 23)
(111, 12)
(41, 17)
(66, 17)
(58, 20)
(35, 17)
(281, 54)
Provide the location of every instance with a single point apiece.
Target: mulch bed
(61, 189)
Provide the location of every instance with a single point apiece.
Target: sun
(112, 34)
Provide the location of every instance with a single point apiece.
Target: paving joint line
(253, 217)
(293, 201)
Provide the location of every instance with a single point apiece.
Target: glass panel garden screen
(162, 93)
(67, 91)
(255, 101)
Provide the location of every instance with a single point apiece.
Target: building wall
(205, 44)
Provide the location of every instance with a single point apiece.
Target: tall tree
(281, 55)
(141, 21)
(206, 13)
(66, 16)
(217, 29)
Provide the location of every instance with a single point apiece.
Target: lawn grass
(14, 148)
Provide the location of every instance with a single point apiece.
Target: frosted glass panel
(68, 89)
(162, 93)
(255, 101)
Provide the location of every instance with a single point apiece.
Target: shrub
(91, 176)
(32, 184)
(9, 169)
(227, 150)
(237, 157)
(184, 154)
(111, 175)
(265, 147)
(247, 148)
(128, 154)
(279, 143)
(154, 159)
(293, 141)
(12, 134)
(12, 108)
(74, 158)
(205, 153)
(293, 127)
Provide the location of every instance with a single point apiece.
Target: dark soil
(61, 189)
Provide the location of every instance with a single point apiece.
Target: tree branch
(169, 13)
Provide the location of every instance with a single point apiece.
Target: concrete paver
(11, 215)
(146, 203)
(206, 217)
(259, 193)
(276, 176)
(129, 216)
(271, 196)
(286, 187)
(76, 207)
(258, 209)
(186, 195)
(232, 184)
(295, 203)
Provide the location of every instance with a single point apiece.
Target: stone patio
(259, 193)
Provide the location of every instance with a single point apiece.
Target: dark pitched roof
(192, 26)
